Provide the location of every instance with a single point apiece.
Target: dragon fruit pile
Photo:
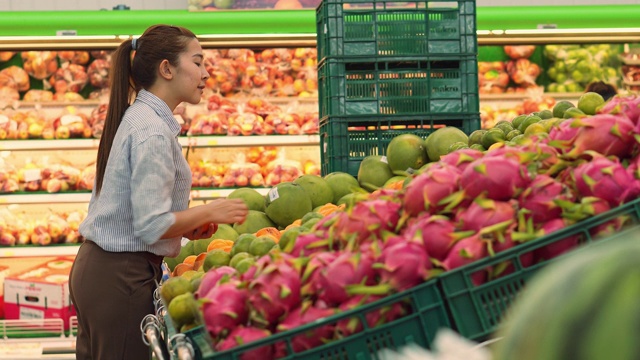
(467, 206)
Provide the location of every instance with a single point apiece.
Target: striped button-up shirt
(147, 179)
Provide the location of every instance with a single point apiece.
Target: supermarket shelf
(45, 198)
(34, 250)
(199, 141)
(207, 194)
(240, 141)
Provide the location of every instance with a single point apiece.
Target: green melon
(373, 172)
(251, 197)
(255, 221)
(406, 153)
(584, 306)
(316, 188)
(341, 184)
(439, 141)
(287, 202)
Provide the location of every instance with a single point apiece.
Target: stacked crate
(387, 68)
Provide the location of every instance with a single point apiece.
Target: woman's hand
(203, 232)
(227, 211)
(221, 211)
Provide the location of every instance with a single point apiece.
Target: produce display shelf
(476, 311)
(426, 315)
(193, 141)
(35, 250)
(41, 197)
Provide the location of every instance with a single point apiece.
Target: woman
(139, 211)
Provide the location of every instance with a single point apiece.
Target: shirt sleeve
(153, 174)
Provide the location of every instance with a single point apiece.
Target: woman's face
(191, 74)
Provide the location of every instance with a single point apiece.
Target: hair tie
(134, 44)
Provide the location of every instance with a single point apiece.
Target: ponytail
(120, 92)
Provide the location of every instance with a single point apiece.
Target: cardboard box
(41, 292)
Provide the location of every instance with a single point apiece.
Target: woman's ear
(165, 70)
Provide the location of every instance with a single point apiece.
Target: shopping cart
(155, 335)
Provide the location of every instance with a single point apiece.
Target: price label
(214, 194)
(384, 159)
(70, 119)
(212, 142)
(273, 194)
(32, 175)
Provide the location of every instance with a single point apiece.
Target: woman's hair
(607, 91)
(157, 43)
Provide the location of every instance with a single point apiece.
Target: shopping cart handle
(180, 346)
(150, 327)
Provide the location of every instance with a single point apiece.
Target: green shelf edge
(133, 22)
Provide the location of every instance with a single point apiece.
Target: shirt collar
(161, 108)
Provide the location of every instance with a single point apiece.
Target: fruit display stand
(426, 314)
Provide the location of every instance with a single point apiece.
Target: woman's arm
(221, 211)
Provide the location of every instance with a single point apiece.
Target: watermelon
(584, 306)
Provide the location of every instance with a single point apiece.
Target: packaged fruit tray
(380, 28)
(425, 314)
(344, 142)
(399, 86)
(476, 311)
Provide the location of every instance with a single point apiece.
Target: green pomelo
(374, 171)
(580, 306)
(216, 258)
(288, 238)
(237, 258)
(513, 133)
(395, 179)
(225, 231)
(477, 147)
(457, 146)
(200, 245)
(341, 184)
(545, 114)
(261, 246)
(440, 140)
(255, 221)
(184, 252)
(251, 197)
(476, 137)
(173, 287)
(528, 121)
(245, 265)
(506, 127)
(286, 203)
(491, 137)
(574, 113)
(183, 309)
(589, 102)
(242, 244)
(518, 120)
(317, 189)
(560, 107)
(406, 153)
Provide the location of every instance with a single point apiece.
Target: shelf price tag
(212, 142)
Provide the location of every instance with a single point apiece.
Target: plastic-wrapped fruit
(40, 64)
(15, 77)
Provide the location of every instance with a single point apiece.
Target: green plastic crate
(476, 311)
(400, 86)
(379, 28)
(427, 315)
(344, 142)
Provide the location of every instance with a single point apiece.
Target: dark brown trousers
(112, 292)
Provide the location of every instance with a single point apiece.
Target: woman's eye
(198, 64)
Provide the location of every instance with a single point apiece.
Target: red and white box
(41, 292)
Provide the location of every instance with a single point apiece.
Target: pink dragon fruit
(483, 213)
(374, 318)
(465, 251)
(605, 134)
(427, 191)
(543, 155)
(211, 278)
(436, 232)
(404, 265)
(539, 198)
(507, 242)
(605, 179)
(556, 248)
(224, 307)
(368, 220)
(317, 261)
(333, 282)
(304, 314)
(634, 167)
(242, 335)
(274, 292)
(461, 158)
(498, 178)
(561, 136)
(310, 243)
(591, 206)
(628, 106)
